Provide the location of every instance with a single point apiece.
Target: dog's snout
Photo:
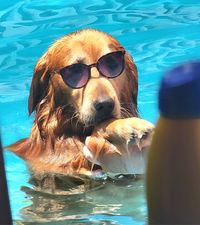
(105, 106)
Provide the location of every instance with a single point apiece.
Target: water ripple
(158, 34)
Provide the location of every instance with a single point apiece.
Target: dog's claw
(125, 142)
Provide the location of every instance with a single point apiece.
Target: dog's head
(101, 98)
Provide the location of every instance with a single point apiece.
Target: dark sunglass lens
(76, 75)
(112, 64)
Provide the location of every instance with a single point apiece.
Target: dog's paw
(101, 152)
(119, 146)
(127, 131)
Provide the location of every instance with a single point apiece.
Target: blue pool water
(158, 34)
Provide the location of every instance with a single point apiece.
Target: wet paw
(124, 131)
(119, 146)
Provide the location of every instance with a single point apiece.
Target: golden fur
(64, 117)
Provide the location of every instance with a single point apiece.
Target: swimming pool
(158, 35)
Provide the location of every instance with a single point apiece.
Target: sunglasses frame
(94, 65)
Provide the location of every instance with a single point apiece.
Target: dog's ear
(39, 83)
(131, 93)
(133, 77)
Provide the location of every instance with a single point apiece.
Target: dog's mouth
(103, 118)
(96, 120)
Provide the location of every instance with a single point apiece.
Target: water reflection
(103, 202)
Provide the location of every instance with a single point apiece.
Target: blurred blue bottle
(173, 171)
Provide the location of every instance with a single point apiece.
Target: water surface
(158, 34)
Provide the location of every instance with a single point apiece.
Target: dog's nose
(104, 107)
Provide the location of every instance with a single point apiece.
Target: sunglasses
(77, 75)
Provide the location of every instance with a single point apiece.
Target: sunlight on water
(158, 34)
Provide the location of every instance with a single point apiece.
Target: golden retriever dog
(85, 81)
